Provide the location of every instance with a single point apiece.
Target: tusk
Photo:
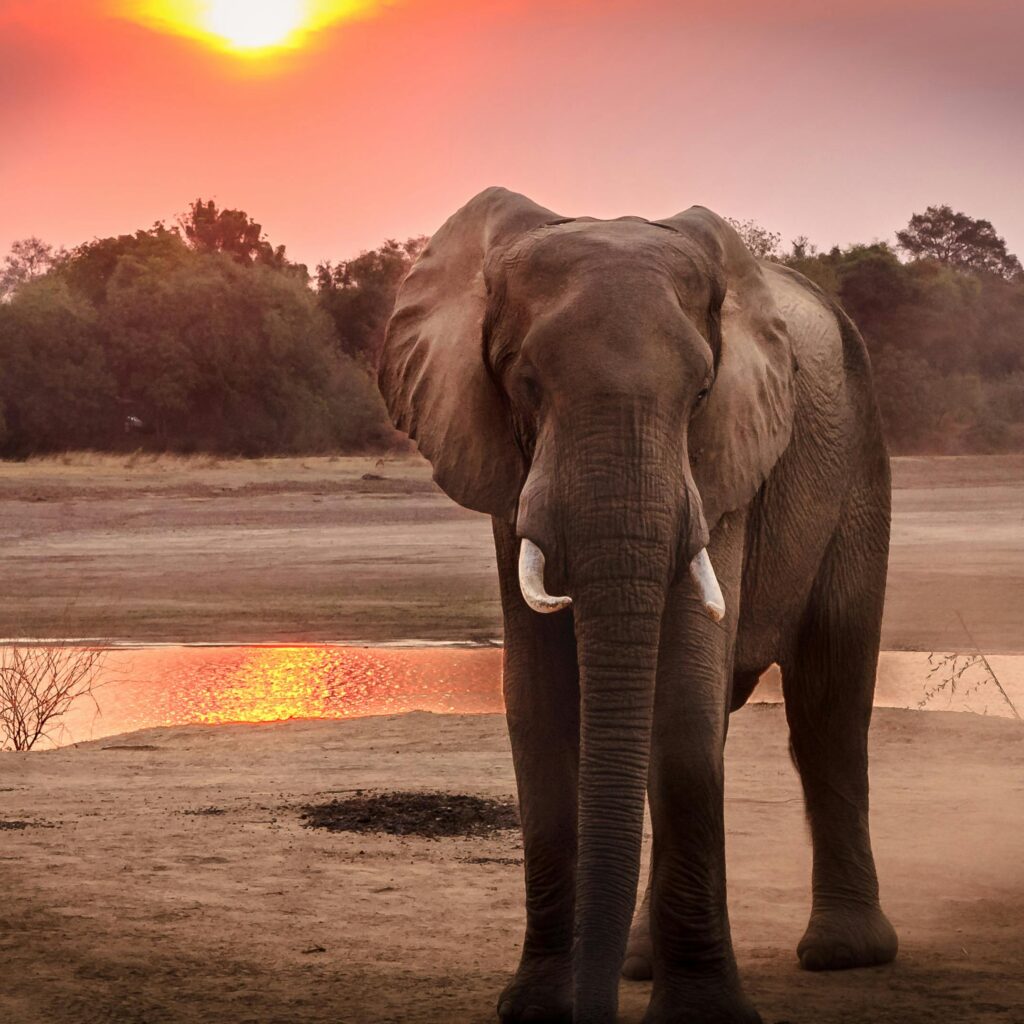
(703, 574)
(531, 581)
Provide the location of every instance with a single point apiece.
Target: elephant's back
(834, 369)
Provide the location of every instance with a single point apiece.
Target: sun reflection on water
(179, 686)
(275, 683)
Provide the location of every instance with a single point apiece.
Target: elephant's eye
(703, 393)
(530, 390)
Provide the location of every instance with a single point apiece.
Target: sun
(245, 28)
(245, 25)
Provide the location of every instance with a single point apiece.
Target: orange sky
(835, 120)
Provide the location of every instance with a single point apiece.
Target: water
(166, 686)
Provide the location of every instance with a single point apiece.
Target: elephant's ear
(432, 372)
(747, 421)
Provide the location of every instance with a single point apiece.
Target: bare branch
(985, 662)
(38, 685)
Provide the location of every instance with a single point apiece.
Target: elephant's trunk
(621, 547)
(618, 629)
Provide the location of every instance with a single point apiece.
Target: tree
(959, 241)
(762, 243)
(89, 267)
(359, 294)
(208, 351)
(220, 356)
(29, 258)
(38, 684)
(56, 390)
(234, 232)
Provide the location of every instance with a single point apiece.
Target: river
(158, 686)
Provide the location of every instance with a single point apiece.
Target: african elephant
(684, 442)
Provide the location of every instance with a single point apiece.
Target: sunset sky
(378, 119)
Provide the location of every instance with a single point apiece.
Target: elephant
(682, 457)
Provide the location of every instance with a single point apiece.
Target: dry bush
(964, 676)
(38, 685)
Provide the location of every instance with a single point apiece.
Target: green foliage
(947, 346)
(55, 387)
(205, 350)
(88, 268)
(359, 295)
(210, 339)
(228, 357)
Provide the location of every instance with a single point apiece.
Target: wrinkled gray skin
(623, 393)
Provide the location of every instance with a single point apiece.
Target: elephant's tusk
(531, 581)
(703, 573)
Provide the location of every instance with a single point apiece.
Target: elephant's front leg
(695, 976)
(541, 684)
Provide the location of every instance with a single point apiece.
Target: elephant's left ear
(748, 417)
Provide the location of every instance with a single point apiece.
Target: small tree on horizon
(762, 243)
(959, 241)
(29, 258)
(209, 229)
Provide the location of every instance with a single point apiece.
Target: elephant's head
(610, 389)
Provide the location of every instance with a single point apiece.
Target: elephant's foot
(841, 937)
(702, 1001)
(639, 952)
(540, 992)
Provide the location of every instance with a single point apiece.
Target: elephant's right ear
(432, 373)
(747, 421)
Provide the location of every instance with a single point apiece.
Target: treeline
(944, 326)
(203, 336)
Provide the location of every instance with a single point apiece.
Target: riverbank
(166, 876)
(171, 549)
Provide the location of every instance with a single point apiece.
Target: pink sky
(832, 120)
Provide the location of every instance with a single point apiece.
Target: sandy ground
(304, 549)
(125, 899)
(121, 905)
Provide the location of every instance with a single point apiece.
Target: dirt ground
(166, 878)
(172, 549)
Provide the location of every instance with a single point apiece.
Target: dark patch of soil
(17, 826)
(131, 746)
(205, 811)
(430, 814)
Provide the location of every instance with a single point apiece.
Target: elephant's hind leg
(828, 683)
